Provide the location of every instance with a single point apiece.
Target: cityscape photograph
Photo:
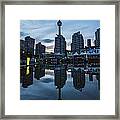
(59, 60)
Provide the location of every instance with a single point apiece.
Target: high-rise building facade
(89, 43)
(22, 45)
(22, 50)
(40, 50)
(29, 45)
(60, 43)
(77, 43)
(97, 38)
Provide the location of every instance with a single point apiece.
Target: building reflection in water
(90, 77)
(26, 76)
(98, 78)
(78, 78)
(22, 74)
(60, 77)
(39, 71)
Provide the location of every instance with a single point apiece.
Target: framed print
(59, 59)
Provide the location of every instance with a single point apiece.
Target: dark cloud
(47, 40)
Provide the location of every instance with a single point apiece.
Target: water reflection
(78, 78)
(81, 84)
(26, 76)
(60, 77)
(39, 71)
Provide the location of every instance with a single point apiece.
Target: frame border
(55, 2)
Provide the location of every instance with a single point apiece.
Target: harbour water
(56, 82)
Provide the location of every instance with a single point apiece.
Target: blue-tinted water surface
(59, 83)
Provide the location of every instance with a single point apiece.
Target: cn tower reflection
(60, 76)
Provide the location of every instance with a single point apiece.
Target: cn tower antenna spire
(59, 23)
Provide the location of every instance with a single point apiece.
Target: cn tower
(60, 43)
(59, 23)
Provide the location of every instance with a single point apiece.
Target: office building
(97, 38)
(77, 43)
(22, 50)
(40, 50)
(89, 43)
(22, 45)
(29, 46)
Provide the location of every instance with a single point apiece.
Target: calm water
(59, 83)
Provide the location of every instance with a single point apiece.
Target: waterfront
(61, 67)
(42, 82)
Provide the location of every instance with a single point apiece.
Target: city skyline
(45, 31)
(82, 62)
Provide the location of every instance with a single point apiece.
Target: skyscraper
(22, 45)
(29, 45)
(60, 43)
(89, 43)
(22, 50)
(97, 38)
(77, 43)
(40, 50)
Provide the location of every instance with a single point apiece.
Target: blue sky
(45, 31)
